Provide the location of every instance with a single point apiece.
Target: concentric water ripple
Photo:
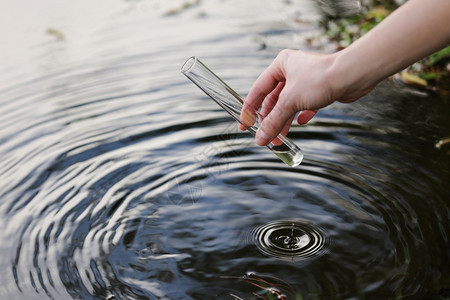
(120, 180)
(291, 240)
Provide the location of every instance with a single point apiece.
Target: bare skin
(298, 81)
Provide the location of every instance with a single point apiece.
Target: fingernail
(277, 142)
(248, 119)
(261, 138)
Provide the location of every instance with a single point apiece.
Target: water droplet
(289, 239)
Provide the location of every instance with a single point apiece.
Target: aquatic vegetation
(343, 31)
(430, 74)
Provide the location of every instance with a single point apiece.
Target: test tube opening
(189, 64)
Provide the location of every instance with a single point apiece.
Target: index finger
(263, 86)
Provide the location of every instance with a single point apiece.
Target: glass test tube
(232, 103)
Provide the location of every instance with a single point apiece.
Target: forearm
(311, 81)
(415, 30)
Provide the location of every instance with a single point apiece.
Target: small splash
(292, 240)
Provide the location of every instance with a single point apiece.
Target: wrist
(351, 76)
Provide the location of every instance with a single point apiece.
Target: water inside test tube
(289, 156)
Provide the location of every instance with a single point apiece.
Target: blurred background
(121, 180)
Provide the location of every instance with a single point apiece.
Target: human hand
(296, 81)
(303, 82)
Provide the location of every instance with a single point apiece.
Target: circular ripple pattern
(289, 240)
(121, 180)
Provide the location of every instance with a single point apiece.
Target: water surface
(122, 180)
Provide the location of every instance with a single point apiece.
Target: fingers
(263, 86)
(271, 100)
(277, 104)
(276, 141)
(274, 123)
(287, 126)
(306, 115)
(248, 118)
(295, 81)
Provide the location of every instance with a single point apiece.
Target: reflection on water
(120, 180)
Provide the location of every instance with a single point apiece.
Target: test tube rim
(189, 64)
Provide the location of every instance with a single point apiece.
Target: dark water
(121, 180)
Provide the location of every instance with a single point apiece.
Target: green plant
(430, 73)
